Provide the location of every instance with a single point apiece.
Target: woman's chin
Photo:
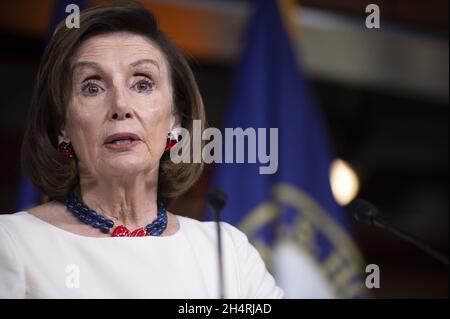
(128, 165)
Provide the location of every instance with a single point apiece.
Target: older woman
(108, 99)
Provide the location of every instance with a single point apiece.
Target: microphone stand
(364, 212)
(379, 222)
(217, 199)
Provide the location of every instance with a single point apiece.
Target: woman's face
(120, 109)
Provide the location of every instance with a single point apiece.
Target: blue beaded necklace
(88, 216)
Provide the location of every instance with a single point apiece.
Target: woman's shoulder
(22, 219)
(46, 211)
(9, 220)
(49, 212)
(11, 225)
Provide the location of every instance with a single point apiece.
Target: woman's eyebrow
(145, 61)
(86, 64)
(83, 64)
(96, 66)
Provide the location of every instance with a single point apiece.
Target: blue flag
(28, 195)
(290, 216)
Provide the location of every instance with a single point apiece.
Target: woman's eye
(143, 86)
(91, 89)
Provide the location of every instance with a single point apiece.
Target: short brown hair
(48, 169)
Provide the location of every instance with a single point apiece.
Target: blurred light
(344, 182)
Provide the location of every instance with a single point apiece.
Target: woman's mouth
(122, 141)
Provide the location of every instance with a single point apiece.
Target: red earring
(66, 149)
(171, 141)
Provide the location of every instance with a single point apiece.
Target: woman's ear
(62, 137)
(175, 122)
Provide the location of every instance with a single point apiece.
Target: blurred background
(383, 94)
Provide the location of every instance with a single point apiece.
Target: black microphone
(217, 199)
(365, 212)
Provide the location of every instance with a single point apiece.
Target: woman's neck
(130, 201)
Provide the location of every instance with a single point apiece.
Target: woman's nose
(120, 115)
(120, 108)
